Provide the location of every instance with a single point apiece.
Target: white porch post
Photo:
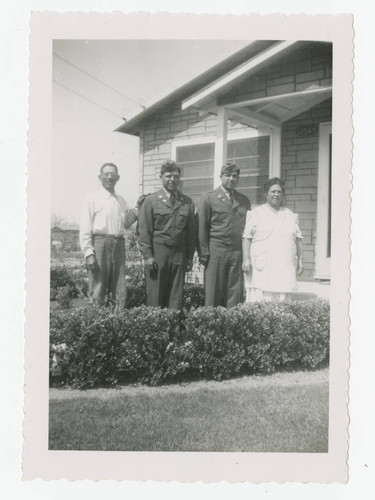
(275, 153)
(221, 142)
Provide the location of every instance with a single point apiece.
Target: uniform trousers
(223, 277)
(164, 287)
(107, 281)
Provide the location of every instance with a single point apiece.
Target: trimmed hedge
(94, 346)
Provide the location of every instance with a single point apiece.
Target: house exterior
(268, 107)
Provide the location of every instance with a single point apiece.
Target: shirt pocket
(219, 214)
(182, 217)
(98, 211)
(260, 261)
(162, 217)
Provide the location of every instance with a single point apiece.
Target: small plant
(193, 296)
(64, 297)
(73, 279)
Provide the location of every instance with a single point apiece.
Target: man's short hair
(229, 168)
(272, 182)
(169, 166)
(108, 165)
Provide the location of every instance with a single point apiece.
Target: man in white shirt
(104, 218)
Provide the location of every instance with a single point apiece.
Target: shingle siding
(299, 167)
(163, 128)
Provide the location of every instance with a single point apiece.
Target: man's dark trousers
(107, 281)
(223, 277)
(164, 287)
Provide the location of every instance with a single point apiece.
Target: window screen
(197, 167)
(252, 156)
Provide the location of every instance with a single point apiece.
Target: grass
(278, 413)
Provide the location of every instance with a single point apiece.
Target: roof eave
(133, 125)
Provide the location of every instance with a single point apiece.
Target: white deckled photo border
(38, 461)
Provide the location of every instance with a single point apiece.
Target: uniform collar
(166, 193)
(162, 196)
(227, 194)
(224, 196)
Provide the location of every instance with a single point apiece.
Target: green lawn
(278, 413)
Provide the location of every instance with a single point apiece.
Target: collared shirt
(102, 213)
(227, 193)
(167, 193)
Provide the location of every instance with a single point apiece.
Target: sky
(97, 83)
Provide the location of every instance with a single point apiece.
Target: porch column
(275, 150)
(221, 142)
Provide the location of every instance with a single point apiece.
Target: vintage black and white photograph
(192, 186)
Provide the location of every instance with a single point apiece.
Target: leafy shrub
(60, 277)
(81, 282)
(309, 338)
(258, 338)
(92, 346)
(84, 347)
(193, 296)
(215, 347)
(134, 274)
(135, 295)
(63, 297)
(73, 280)
(147, 346)
(131, 244)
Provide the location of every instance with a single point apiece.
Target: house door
(323, 244)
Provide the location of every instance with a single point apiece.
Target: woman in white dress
(272, 247)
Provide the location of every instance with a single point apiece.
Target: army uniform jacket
(219, 220)
(160, 222)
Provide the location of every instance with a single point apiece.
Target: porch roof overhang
(237, 75)
(268, 111)
(272, 111)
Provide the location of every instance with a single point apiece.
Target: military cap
(229, 167)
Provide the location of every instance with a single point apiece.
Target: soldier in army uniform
(167, 239)
(221, 221)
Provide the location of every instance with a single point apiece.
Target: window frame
(274, 166)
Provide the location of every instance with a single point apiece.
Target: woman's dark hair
(272, 182)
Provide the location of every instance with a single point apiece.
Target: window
(252, 156)
(196, 160)
(197, 169)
